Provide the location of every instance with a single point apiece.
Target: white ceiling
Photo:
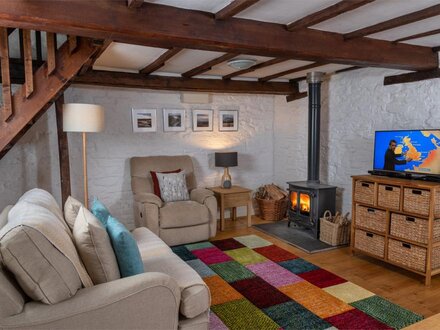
(132, 58)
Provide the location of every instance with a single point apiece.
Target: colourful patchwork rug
(255, 284)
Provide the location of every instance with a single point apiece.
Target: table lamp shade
(78, 117)
(226, 159)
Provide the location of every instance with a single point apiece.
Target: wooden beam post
(28, 71)
(51, 50)
(63, 151)
(6, 79)
(73, 43)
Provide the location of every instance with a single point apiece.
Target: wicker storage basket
(416, 201)
(412, 256)
(370, 243)
(272, 210)
(334, 233)
(412, 228)
(364, 192)
(370, 218)
(389, 196)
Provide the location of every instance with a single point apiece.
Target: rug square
(215, 323)
(274, 274)
(356, 320)
(221, 291)
(201, 268)
(183, 253)
(298, 266)
(275, 253)
(232, 271)
(292, 315)
(211, 255)
(252, 241)
(246, 256)
(322, 278)
(348, 292)
(387, 312)
(227, 244)
(259, 292)
(241, 314)
(198, 246)
(315, 299)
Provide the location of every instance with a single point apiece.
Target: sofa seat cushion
(183, 214)
(195, 298)
(149, 244)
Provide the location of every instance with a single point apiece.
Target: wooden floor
(397, 285)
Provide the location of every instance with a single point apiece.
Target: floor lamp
(83, 118)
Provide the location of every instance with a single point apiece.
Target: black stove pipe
(314, 80)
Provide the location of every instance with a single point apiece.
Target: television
(408, 153)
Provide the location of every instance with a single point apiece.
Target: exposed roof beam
(411, 77)
(327, 13)
(297, 96)
(255, 67)
(135, 3)
(160, 61)
(234, 8)
(151, 25)
(298, 69)
(208, 65)
(419, 35)
(133, 80)
(395, 22)
(436, 49)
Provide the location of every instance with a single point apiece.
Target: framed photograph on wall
(173, 120)
(228, 120)
(144, 120)
(202, 120)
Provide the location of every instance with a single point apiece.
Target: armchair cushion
(148, 198)
(100, 211)
(71, 209)
(4, 216)
(183, 214)
(200, 194)
(173, 187)
(156, 187)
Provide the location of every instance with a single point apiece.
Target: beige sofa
(175, 222)
(169, 295)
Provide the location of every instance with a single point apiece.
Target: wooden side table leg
(249, 216)
(222, 215)
(234, 213)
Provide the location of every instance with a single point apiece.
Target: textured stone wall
(355, 104)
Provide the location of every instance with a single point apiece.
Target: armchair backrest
(140, 168)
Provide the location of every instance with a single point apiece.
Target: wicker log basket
(272, 202)
(334, 230)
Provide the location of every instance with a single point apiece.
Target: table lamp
(226, 160)
(83, 118)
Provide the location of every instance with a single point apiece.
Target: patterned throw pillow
(173, 187)
(156, 187)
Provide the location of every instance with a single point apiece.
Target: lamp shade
(79, 117)
(226, 159)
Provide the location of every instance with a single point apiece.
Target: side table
(232, 198)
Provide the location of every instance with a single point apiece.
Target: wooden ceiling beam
(436, 49)
(327, 13)
(234, 8)
(133, 80)
(208, 65)
(160, 61)
(135, 3)
(411, 77)
(395, 22)
(298, 69)
(419, 35)
(297, 96)
(255, 67)
(151, 25)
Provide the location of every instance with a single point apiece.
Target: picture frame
(202, 120)
(174, 120)
(144, 120)
(228, 120)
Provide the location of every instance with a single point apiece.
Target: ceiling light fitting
(242, 63)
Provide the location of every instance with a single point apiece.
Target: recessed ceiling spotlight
(242, 63)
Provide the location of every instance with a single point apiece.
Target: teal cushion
(125, 247)
(100, 211)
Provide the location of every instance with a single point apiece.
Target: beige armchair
(174, 222)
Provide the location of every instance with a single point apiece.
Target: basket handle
(327, 215)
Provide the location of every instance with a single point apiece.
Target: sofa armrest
(148, 198)
(200, 195)
(145, 301)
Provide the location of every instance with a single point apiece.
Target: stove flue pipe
(314, 80)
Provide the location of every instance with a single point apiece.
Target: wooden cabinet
(397, 221)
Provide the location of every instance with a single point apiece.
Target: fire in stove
(304, 202)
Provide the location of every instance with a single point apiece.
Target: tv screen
(414, 151)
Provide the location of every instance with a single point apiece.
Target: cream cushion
(183, 214)
(94, 247)
(71, 209)
(4, 216)
(149, 244)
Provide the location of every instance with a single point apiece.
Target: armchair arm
(200, 195)
(148, 198)
(145, 301)
(207, 198)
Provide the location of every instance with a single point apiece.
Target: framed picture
(202, 120)
(173, 120)
(144, 120)
(228, 120)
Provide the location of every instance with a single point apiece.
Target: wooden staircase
(42, 82)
